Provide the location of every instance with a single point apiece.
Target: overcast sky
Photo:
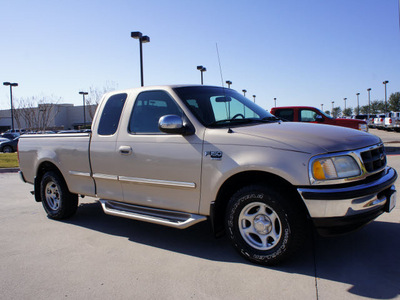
(309, 52)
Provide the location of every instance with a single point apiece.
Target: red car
(314, 115)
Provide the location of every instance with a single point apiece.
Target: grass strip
(9, 160)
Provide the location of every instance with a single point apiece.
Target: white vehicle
(392, 121)
(379, 121)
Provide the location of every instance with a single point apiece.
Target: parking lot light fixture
(385, 83)
(228, 82)
(244, 92)
(84, 110)
(201, 69)
(11, 84)
(142, 39)
(344, 103)
(322, 107)
(333, 102)
(275, 102)
(358, 103)
(369, 101)
(254, 96)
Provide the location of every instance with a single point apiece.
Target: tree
(36, 112)
(348, 112)
(394, 102)
(95, 94)
(364, 109)
(328, 112)
(336, 111)
(377, 106)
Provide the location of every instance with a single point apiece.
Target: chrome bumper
(353, 200)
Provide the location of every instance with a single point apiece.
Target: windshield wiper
(233, 121)
(271, 119)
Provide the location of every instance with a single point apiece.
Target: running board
(169, 218)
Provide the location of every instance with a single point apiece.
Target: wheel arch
(240, 180)
(42, 169)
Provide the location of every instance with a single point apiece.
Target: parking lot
(94, 255)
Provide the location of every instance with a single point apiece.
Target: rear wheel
(57, 200)
(263, 225)
(7, 149)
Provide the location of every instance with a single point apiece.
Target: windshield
(325, 114)
(218, 107)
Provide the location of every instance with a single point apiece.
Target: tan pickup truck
(179, 155)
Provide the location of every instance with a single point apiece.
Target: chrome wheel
(260, 226)
(52, 195)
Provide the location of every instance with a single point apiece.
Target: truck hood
(311, 138)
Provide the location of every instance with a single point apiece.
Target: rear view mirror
(175, 125)
(223, 99)
(319, 118)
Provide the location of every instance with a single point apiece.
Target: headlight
(336, 167)
(363, 127)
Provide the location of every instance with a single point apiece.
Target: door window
(307, 115)
(148, 109)
(285, 114)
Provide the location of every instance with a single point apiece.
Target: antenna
(220, 68)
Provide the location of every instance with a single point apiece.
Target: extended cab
(179, 155)
(313, 115)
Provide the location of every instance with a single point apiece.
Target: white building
(47, 117)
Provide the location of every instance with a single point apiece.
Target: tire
(58, 202)
(263, 226)
(7, 149)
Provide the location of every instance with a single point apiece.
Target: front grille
(374, 159)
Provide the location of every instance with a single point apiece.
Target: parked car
(4, 139)
(313, 115)
(9, 146)
(379, 121)
(392, 121)
(10, 135)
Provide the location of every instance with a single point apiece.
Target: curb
(9, 170)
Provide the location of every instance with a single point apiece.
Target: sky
(308, 52)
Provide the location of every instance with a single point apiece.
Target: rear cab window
(111, 114)
(285, 114)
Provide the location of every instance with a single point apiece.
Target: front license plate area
(391, 200)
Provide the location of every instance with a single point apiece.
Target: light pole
(11, 84)
(228, 82)
(254, 96)
(369, 101)
(275, 101)
(84, 111)
(358, 103)
(244, 92)
(385, 82)
(344, 103)
(142, 39)
(333, 102)
(322, 107)
(201, 69)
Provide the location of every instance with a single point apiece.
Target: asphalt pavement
(97, 256)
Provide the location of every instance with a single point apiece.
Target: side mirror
(319, 119)
(174, 124)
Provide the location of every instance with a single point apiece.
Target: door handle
(125, 150)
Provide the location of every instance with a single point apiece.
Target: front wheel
(263, 225)
(57, 200)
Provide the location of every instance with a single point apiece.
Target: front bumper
(336, 210)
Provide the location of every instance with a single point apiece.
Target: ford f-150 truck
(313, 115)
(179, 155)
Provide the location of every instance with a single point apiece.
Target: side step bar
(169, 218)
